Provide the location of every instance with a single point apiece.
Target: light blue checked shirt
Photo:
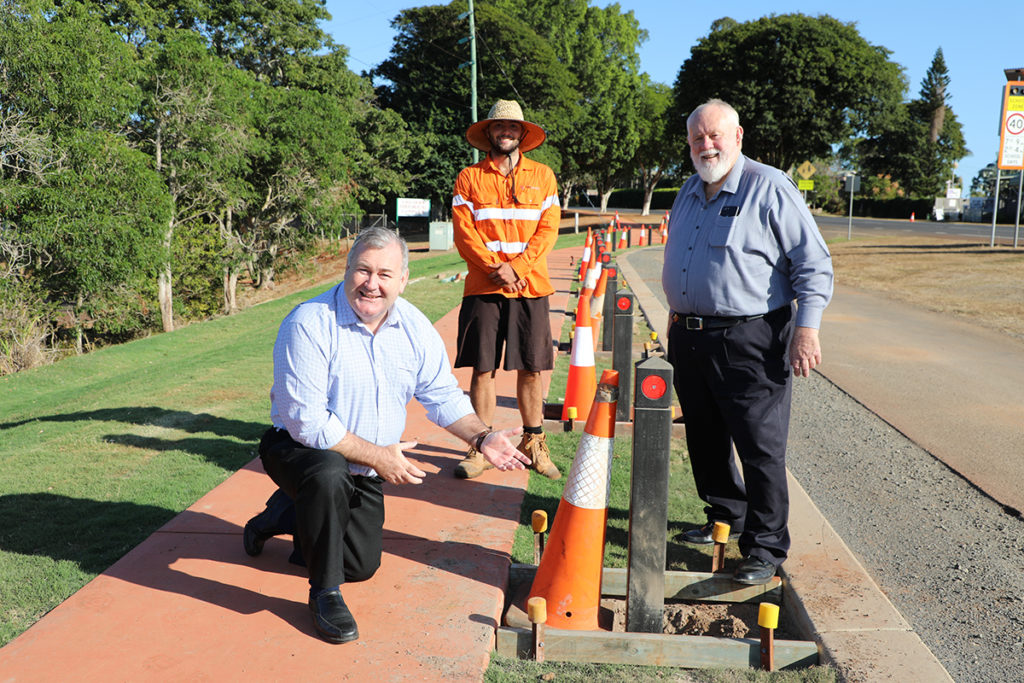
(332, 376)
(752, 248)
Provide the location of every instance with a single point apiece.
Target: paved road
(1005, 234)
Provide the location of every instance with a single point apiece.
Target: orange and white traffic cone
(569, 574)
(582, 380)
(642, 242)
(911, 216)
(622, 239)
(597, 305)
(593, 271)
(585, 259)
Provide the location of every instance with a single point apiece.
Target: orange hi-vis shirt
(490, 227)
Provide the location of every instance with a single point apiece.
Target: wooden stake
(570, 413)
(539, 522)
(768, 620)
(720, 535)
(537, 611)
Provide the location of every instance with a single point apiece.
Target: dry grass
(970, 281)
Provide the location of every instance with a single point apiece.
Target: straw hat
(507, 110)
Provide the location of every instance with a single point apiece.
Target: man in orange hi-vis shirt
(505, 212)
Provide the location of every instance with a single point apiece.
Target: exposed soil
(721, 620)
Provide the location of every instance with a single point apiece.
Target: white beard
(714, 169)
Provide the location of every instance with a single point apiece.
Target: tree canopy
(801, 84)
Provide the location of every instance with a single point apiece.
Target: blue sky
(978, 41)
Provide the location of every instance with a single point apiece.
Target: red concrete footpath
(189, 604)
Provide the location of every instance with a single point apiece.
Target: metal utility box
(441, 236)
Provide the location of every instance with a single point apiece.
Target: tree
(604, 140)
(80, 207)
(655, 154)
(924, 141)
(598, 47)
(800, 84)
(422, 81)
(193, 122)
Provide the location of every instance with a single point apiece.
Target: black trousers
(734, 388)
(339, 517)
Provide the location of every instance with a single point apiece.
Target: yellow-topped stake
(768, 620)
(720, 535)
(537, 612)
(768, 615)
(539, 522)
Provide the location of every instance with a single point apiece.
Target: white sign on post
(411, 207)
(1011, 135)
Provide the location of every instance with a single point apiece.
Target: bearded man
(505, 214)
(747, 277)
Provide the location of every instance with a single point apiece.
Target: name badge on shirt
(729, 211)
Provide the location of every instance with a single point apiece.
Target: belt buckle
(694, 323)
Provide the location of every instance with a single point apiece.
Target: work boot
(533, 446)
(473, 465)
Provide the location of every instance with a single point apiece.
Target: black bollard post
(608, 331)
(648, 509)
(623, 350)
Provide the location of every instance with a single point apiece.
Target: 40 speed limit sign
(1011, 134)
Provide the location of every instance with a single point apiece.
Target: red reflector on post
(653, 387)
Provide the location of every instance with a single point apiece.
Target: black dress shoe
(702, 535)
(332, 618)
(278, 518)
(754, 571)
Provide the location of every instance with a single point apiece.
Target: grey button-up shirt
(752, 248)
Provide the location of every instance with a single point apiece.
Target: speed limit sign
(1011, 134)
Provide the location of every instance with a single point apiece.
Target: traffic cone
(642, 242)
(593, 271)
(622, 239)
(582, 380)
(569, 574)
(597, 305)
(911, 216)
(585, 259)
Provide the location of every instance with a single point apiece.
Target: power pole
(472, 69)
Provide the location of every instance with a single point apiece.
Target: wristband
(479, 440)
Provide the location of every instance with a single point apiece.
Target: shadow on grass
(226, 453)
(91, 533)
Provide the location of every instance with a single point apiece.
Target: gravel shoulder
(949, 557)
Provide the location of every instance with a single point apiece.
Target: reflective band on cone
(569, 575)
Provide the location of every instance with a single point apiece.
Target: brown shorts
(489, 321)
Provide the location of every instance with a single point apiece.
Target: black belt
(711, 322)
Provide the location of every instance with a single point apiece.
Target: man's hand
(502, 274)
(804, 351)
(497, 448)
(395, 468)
(516, 287)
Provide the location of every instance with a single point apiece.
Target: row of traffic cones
(568, 579)
(646, 236)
